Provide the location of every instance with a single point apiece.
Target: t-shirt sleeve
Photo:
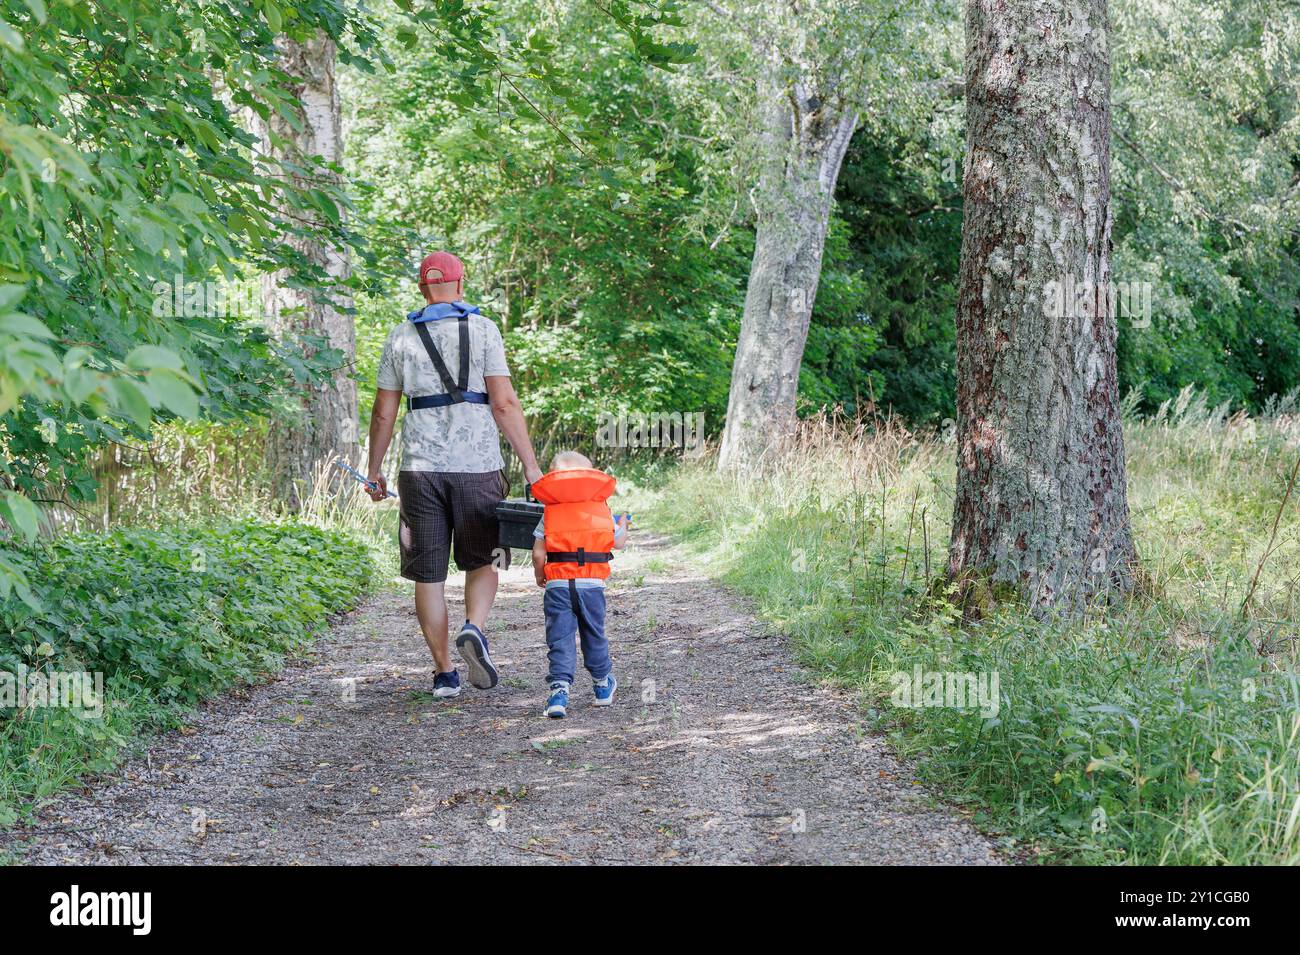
(540, 530)
(494, 352)
(389, 376)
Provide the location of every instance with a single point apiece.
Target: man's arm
(383, 416)
(509, 415)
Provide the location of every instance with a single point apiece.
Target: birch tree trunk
(1041, 501)
(803, 143)
(326, 426)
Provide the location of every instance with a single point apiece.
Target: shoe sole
(481, 671)
(608, 701)
(445, 693)
(556, 712)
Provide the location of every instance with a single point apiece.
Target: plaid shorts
(438, 507)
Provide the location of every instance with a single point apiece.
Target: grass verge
(1163, 732)
(135, 626)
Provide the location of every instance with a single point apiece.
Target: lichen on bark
(1041, 500)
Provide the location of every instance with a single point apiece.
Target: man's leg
(474, 507)
(425, 537)
(431, 609)
(471, 643)
(480, 592)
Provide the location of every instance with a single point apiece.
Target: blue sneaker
(446, 685)
(557, 704)
(473, 647)
(604, 690)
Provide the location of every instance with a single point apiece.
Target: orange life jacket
(579, 527)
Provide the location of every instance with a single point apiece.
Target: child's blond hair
(568, 460)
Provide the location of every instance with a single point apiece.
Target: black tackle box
(517, 520)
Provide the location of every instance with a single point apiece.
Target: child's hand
(622, 524)
(540, 576)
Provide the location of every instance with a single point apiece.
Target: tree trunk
(803, 144)
(1041, 501)
(325, 426)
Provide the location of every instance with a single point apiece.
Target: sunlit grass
(1160, 732)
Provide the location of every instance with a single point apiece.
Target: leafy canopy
(131, 172)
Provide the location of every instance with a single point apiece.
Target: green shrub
(168, 617)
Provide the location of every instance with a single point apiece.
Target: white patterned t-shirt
(461, 438)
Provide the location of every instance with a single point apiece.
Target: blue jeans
(575, 611)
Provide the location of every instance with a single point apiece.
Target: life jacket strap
(579, 557)
(454, 392)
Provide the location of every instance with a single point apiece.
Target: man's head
(441, 277)
(568, 460)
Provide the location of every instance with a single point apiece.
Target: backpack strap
(462, 381)
(455, 392)
(450, 387)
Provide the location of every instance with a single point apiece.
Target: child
(571, 557)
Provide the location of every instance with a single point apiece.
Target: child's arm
(539, 561)
(621, 525)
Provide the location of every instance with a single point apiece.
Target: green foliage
(574, 210)
(565, 169)
(486, 47)
(180, 612)
(167, 617)
(883, 325)
(1205, 155)
(130, 169)
(597, 176)
(1161, 732)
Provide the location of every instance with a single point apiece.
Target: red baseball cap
(445, 266)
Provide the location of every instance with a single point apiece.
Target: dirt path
(715, 751)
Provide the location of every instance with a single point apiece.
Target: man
(449, 361)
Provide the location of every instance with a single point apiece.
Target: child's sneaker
(557, 704)
(604, 690)
(473, 647)
(446, 685)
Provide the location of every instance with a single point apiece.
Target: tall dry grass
(201, 474)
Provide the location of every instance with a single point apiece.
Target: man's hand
(377, 488)
(532, 474)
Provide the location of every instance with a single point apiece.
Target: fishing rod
(370, 485)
